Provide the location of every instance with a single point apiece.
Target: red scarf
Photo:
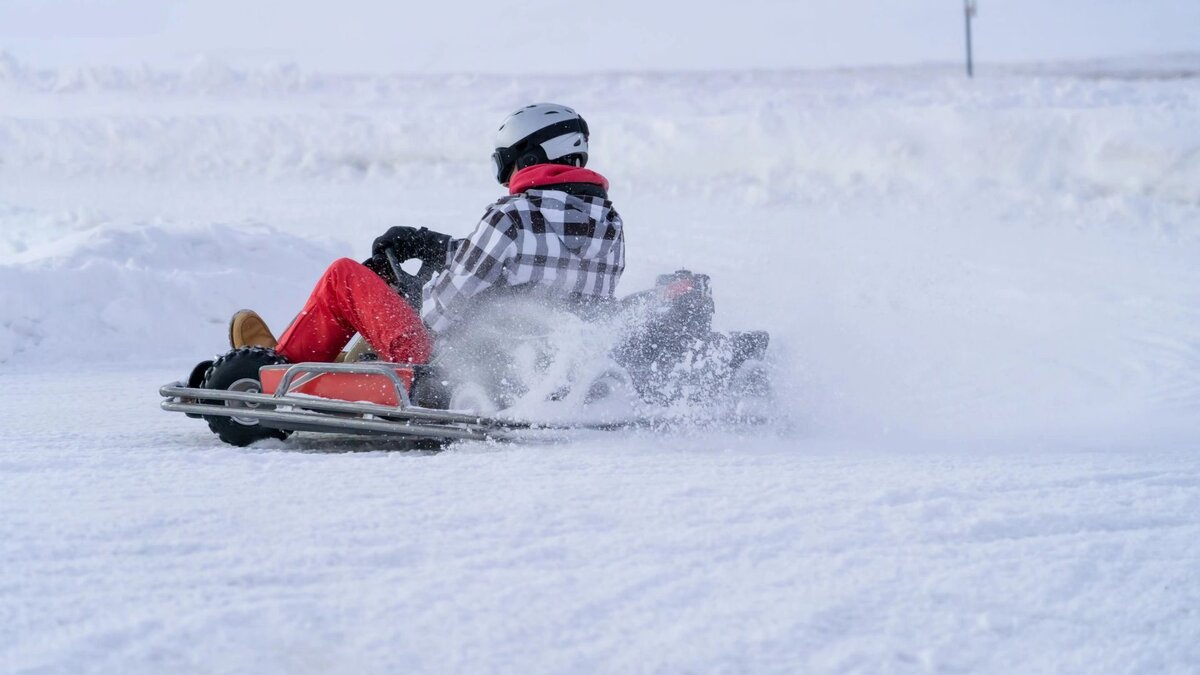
(552, 174)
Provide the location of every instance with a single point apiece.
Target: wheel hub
(249, 386)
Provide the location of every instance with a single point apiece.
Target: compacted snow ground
(132, 542)
(984, 300)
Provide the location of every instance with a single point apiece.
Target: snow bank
(759, 137)
(147, 292)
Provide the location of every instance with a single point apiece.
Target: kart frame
(290, 411)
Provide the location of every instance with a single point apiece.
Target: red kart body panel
(366, 387)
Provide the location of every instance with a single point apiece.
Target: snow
(984, 304)
(133, 544)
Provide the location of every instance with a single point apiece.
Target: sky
(524, 36)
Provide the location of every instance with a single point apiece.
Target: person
(555, 231)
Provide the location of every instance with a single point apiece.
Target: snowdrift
(784, 136)
(131, 294)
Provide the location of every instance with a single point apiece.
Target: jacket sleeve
(476, 265)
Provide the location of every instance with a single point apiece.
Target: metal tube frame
(285, 410)
(290, 419)
(178, 392)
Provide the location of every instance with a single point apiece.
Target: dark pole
(968, 12)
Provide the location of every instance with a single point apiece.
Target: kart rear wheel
(238, 371)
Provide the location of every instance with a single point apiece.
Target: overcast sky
(558, 36)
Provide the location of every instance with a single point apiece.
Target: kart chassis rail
(301, 412)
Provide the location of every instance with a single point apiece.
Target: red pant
(351, 299)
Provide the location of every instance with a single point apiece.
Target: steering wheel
(410, 284)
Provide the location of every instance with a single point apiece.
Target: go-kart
(525, 366)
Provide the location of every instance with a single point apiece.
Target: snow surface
(985, 304)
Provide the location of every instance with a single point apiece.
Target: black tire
(238, 371)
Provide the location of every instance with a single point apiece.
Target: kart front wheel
(238, 371)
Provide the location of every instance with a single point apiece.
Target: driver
(556, 230)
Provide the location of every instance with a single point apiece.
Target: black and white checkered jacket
(573, 244)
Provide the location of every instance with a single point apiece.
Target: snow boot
(247, 329)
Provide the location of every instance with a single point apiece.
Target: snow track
(135, 543)
(983, 300)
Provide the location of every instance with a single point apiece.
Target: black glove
(425, 245)
(407, 243)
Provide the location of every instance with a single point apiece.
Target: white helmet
(537, 134)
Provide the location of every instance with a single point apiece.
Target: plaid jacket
(546, 238)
